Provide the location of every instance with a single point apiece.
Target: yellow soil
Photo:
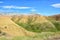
(9, 27)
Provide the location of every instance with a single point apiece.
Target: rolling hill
(34, 23)
(29, 25)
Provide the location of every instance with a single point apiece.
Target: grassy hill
(29, 27)
(55, 19)
(34, 23)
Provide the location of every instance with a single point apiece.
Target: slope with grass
(34, 23)
(29, 27)
(55, 20)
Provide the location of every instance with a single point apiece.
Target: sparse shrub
(3, 33)
(0, 31)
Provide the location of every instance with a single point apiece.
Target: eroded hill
(9, 28)
(35, 23)
(29, 25)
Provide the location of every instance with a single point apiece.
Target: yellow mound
(25, 18)
(33, 18)
(10, 28)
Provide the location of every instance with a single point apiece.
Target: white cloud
(56, 5)
(15, 7)
(23, 7)
(1, 1)
(7, 7)
(33, 10)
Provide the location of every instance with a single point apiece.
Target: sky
(43, 7)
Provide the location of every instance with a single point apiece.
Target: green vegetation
(38, 36)
(36, 27)
(45, 30)
(3, 38)
(56, 24)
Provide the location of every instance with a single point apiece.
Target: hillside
(9, 28)
(35, 23)
(55, 17)
(29, 26)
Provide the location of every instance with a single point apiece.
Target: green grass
(3, 38)
(37, 27)
(38, 36)
(57, 25)
(25, 38)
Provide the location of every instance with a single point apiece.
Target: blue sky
(43, 7)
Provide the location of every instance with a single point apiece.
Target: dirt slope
(33, 18)
(9, 27)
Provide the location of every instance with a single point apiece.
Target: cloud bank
(57, 5)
